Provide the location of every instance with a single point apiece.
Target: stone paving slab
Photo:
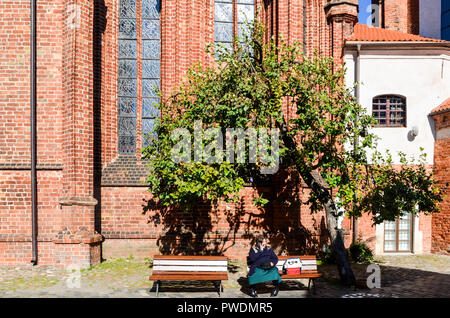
(420, 276)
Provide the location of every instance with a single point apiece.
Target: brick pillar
(77, 242)
(342, 15)
(440, 237)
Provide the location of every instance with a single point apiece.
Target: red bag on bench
(293, 271)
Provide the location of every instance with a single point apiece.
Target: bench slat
(303, 257)
(187, 273)
(191, 268)
(188, 277)
(302, 275)
(183, 257)
(190, 262)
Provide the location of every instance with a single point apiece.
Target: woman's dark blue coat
(256, 258)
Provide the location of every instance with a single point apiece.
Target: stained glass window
(129, 31)
(245, 13)
(127, 74)
(151, 65)
(225, 20)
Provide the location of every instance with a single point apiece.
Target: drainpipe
(33, 132)
(357, 95)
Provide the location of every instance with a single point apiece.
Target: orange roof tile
(442, 107)
(364, 33)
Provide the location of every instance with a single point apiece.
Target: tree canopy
(322, 131)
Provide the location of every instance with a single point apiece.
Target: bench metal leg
(158, 283)
(220, 287)
(313, 285)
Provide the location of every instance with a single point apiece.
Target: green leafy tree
(329, 136)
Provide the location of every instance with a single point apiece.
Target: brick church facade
(96, 63)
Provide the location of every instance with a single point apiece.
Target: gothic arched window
(129, 59)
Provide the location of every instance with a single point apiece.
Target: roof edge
(399, 43)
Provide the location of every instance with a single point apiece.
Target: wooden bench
(187, 268)
(309, 269)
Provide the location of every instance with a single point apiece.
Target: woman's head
(261, 240)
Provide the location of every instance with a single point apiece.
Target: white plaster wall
(430, 18)
(379, 242)
(422, 77)
(417, 237)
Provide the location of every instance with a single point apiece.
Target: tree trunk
(336, 236)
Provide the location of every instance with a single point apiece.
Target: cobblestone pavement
(422, 276)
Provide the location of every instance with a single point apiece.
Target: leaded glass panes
(245, 14)
(127, 77)
(245, 11)
(127, 87)
(127, 68)
(150, 29)
(149, 87)
(127, 28)
(225, 20)
(127, 49)
(149, 108)
(151, 49)
(127, 9)
(151, 52)
(150, 69)
(151, 9)
(129, 31)
(223, 32)
(127, 126)
(223, 12)
(127, 107)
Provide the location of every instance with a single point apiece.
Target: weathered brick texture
(441, 221)
(400, 15)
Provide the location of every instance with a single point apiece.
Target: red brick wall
(126, 215)
(15, 83)
(402, 15)
(15, 179)
(441, 221)
(77, 136)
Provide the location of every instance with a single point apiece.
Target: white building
(402, 77)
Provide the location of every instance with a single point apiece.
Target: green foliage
(392, 191)
(250, 87)
(361, 253)
(260, 201)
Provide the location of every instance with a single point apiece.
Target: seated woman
(262, 261)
